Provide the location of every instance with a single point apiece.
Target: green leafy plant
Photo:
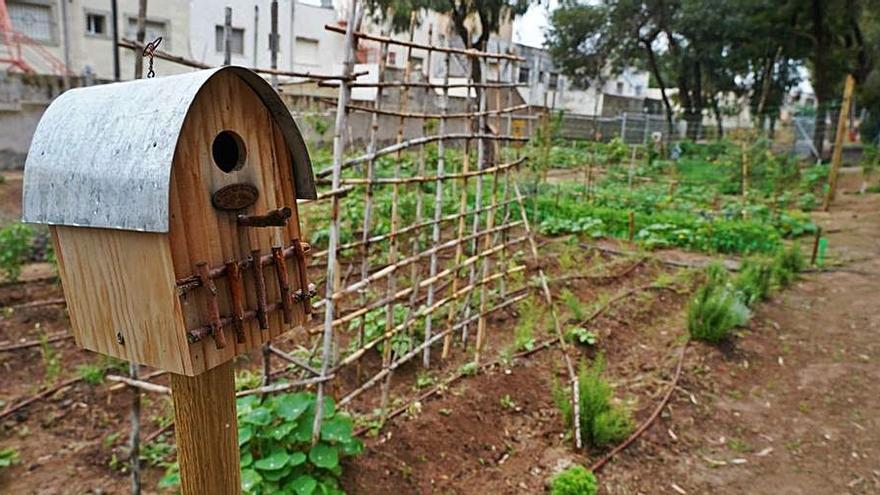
(602, 421)
(8, 457)
(575, 480)
(275, 443)
(715, 309)
(14, 249)
(91, 373)
(582, 336)
(275, 435)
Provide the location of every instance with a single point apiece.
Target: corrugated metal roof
(101, 156)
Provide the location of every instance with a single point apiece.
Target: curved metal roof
(101, 156)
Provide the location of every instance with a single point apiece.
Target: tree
(472, 20)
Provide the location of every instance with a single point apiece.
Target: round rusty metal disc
(235, 197)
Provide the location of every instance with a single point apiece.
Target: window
(152, 30)
(619, 87)
(96, 24)
(523, 75)
(638, 90)
(32, 20)
(236, 40)
(392, 59)
(306, 51)
(554, 80)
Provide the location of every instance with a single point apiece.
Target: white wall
(298, 24)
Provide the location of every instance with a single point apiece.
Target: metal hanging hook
(150, 51)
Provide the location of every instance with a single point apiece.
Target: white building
(52, 35)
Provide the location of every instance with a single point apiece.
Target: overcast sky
(529, 28)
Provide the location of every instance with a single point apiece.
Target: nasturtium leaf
(275, 460)
(297, 458)
(324, 456)
(292, 406)
(337, 429)
(244, 435)
(250, 480)
(260, 416)
(353, 446)
(277, 475)
(247, 403)
(303, 430)
(329, 408)
(303, 485)
(247, 459)
(278, 432)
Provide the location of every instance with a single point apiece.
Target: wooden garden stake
(837, 154)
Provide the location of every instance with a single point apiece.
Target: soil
(788, 407)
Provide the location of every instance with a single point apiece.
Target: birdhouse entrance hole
(228, 151)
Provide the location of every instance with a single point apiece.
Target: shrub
(754, 280)
(601, 421)
(714, 312)
(14, 249)
(575, 480)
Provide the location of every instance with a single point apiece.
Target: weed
(602, 422)
(582, 336)
(91, 373)
(575, 480)
(247, 379)
(468, 369)
(8, 457)
(423, 379)
(14, 249)
(51, 361)
(507, 402)
(739, 446)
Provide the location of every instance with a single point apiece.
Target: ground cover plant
(275, 443)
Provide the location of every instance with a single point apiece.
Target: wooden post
(206, 430)
(837, 154)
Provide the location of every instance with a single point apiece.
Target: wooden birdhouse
(172, 206)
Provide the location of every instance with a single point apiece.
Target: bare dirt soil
(789, 407)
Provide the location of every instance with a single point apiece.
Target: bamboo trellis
(460, 264)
